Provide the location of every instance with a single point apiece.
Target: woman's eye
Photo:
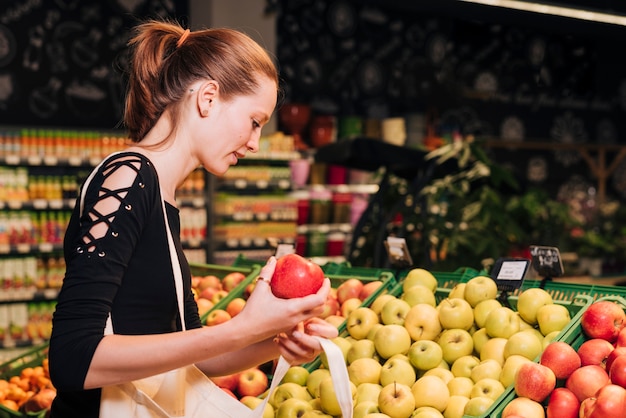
(255, 124)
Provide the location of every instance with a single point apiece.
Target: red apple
(208, 293)
(217, 316)
(229, 392)
(204, 306)
(295, 276)
(209, 281)
(40, 401)
(562, 404)
(522, 408)
(619, 351)
(232, 280)
(621, 339)
(617, 372)
(586, 381)
(608, 402)
(534, 381)
(349, 289)
(230, 381)
(252, 382)
(561, 358)
(235, 306)
(594, 351)
(603, 319)
(369, 288)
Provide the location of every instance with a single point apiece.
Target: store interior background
(462, 70)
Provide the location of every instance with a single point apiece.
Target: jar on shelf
(322, 130)
(342, 203)
(320, 206)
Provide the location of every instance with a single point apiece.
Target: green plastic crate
(31, 358)
(251, 273)
(573, 335)
(565, 291)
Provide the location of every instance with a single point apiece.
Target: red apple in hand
(617, 372)
(295, 277)
(534, 381)
(561, 358)
(603, 319)
(562, 404)
(608, 402)
(586, 381)
(595, 351)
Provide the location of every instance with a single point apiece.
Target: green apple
(549, 338)
(376, 327)
(253, 402)
(397, 370)
(478, 406)
(296, 374)
(360, 322)
(364, 370)
(502, 322)
(419, 294)
(293, 407)
(286, 391)
(480, 337)
(431, 391)
(462, 367)
(529, 302)
(482, 309)
(455, 313)
(510, 367)
(456, 406)
(426, 412)
(328, 398)
(425, 354)
(420, 276)
(344, 345)
(360, 349)
(379, 302)
(443, 374)
(392, 339)
(552, 318)
(491, 388)
(314, 379)
(494, 349)
(396, 400)
(422, 322)
(455, 343)
(362, 409)
(480, 288)
(525, 343)
(394, 312)
(461, 386)
(486, 369)
(349, 305)
(458, 291)
(367, 392)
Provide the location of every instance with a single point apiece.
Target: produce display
(430, 345)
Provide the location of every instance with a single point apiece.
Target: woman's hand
(269, 315)
(300, 346)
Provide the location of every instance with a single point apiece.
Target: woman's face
(235, 127)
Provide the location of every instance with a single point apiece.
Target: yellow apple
(460, 386)
(525, 343)
(379, 302)
(419, 276)
(364, 370)
(462, 367)
(314, 379)
(396, 400)
(286, 391)
(478, 406)
(253, 401)
(349, 305)
(494, 349)
(397, 370)
(296, 374)
(486, 369)
(455, 313)
(480, 337)
(419, 294)
(426, 412)
(425, 354)
(502, 322)
(480, 288)
(431, 391)
(482, 309)
(392, 339)
(362, 409)
(422, 322)
(456, 407)
(440, 372)
(458, 291)
(491, 388)
(552, 318)
(455, 343)
(394, 312)
(529, 302)
(360, 321)
(328, 398)
(367, 392)
(293, 407)
(360, 349)
(510, 367)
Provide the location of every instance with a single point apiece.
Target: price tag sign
(509, 273)
(546, 261)
(398, 252)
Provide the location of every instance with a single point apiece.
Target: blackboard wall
(62, 61)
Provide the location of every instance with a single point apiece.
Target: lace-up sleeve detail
(118, 177)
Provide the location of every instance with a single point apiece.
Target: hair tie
(182, 38)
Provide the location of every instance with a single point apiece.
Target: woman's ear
(206, 93)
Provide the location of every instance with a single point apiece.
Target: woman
(193, 99)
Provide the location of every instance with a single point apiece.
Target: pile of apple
(409, 356)
(29, 392)
(587, 382)
(208, 290)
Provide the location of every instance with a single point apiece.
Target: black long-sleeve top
(127, 273)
